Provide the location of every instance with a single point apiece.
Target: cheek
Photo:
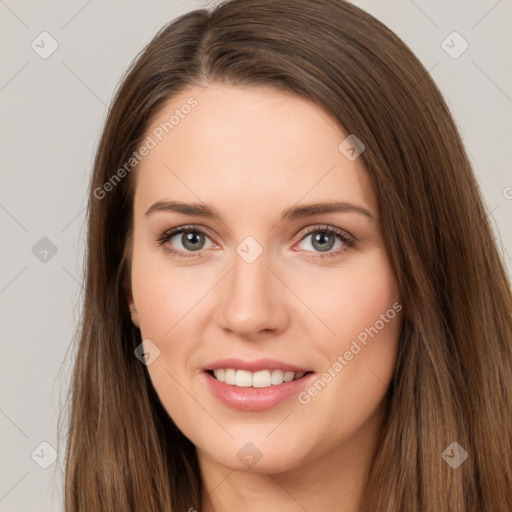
(165, 298)
(164, 294)
(168, 301)
(361, 307)
(349, 300)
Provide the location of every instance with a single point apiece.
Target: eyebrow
(292, 213)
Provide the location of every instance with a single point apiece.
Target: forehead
(247, 145)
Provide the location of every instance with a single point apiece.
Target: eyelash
(349, 241)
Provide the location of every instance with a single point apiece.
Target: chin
(259, 455)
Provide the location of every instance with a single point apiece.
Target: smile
(254, 385)
(260, 379)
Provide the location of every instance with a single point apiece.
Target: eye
(190, 240)
(323, 239)
(185, 239)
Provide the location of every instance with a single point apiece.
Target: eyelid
(330, 229)
(172, 232)
(169, 233)
(348, 240)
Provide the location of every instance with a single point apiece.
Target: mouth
(257, 385)
(260, 379)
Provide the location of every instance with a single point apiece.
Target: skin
(251, 153)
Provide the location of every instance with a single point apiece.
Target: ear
(133, 310)
(127, 285)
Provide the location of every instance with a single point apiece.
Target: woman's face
(262, 286)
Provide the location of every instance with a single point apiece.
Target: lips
(255, 365)
(254, 385)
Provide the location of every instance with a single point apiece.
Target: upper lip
(254, 365)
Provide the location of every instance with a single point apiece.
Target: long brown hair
(453, 378)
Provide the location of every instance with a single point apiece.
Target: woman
(294, 300)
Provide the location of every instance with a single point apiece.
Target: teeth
(243, 379)
(277, 377)
(288, 376)
(229, 376)
(261, 379)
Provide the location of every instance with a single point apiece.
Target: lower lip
(254, 399)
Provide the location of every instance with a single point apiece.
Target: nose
(252, 299)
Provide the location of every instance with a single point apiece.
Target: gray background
(51, 113)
